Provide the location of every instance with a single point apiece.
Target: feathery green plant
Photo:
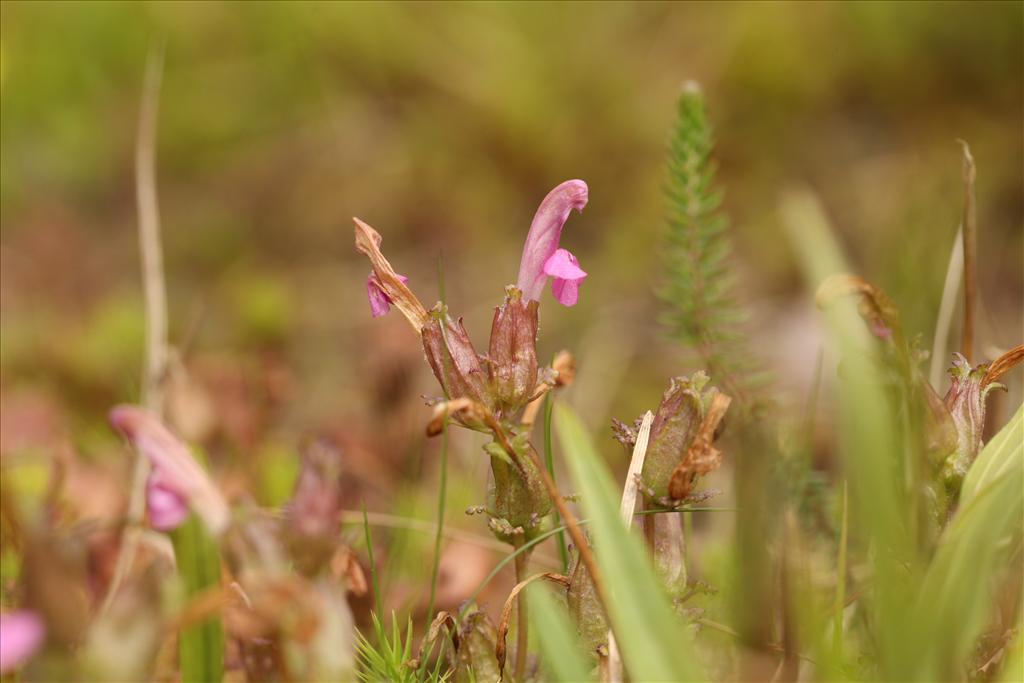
(701, 309)
(390, 659)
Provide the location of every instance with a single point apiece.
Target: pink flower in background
(380, 302)
(177, 477)
(542, 257)
(166, 506)
(21, 634)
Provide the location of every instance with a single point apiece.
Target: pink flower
(175, 472)
(166, 506)
(541, 256)
(21, 634)
(380, 302)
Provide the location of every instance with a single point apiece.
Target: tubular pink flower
(178, 470)
(542, 246)
(21, 634)
(166, 506)
(380, 302)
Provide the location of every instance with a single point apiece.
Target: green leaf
(560, 648)
(200, 647)
(653, 642)
(1000, 455)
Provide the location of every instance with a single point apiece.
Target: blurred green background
(443, 125)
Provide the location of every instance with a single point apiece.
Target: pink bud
(542, 244)
(21, 634)
(179, 471)
(380, 302)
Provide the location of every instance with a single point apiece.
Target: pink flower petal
(567, 292)
(166, 506)
(21, 634)
(563, 265)
(380, 302)
(545, 233)
(179, 470)
(567, 276)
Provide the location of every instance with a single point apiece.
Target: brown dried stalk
(1000, 366)
(506, 615)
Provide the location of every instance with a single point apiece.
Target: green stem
(837, 633)
(522, 620)
(545, 536)
(441, 496)
(549, 460)
(201, 646)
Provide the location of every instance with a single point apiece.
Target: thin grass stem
(549, 460)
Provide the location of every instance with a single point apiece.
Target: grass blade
(653, 642)
(1000, 455)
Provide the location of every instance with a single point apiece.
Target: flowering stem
(586, 556)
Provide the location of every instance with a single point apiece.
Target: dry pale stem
(155, 297)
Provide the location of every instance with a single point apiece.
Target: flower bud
(965, 401)
(453, 359)
(675, 425)
(517, 493)
(513, 351)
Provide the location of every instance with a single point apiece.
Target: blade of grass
(944, 321)
(1000, 455)
(560, 648)
(882, 501)
(654, 644)
(840, 603)
(373, 565)
(549, 460)
(970, 235)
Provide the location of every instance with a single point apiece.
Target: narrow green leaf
(560, 648)
(200, 647)
(1004, 452)
(654, 644)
